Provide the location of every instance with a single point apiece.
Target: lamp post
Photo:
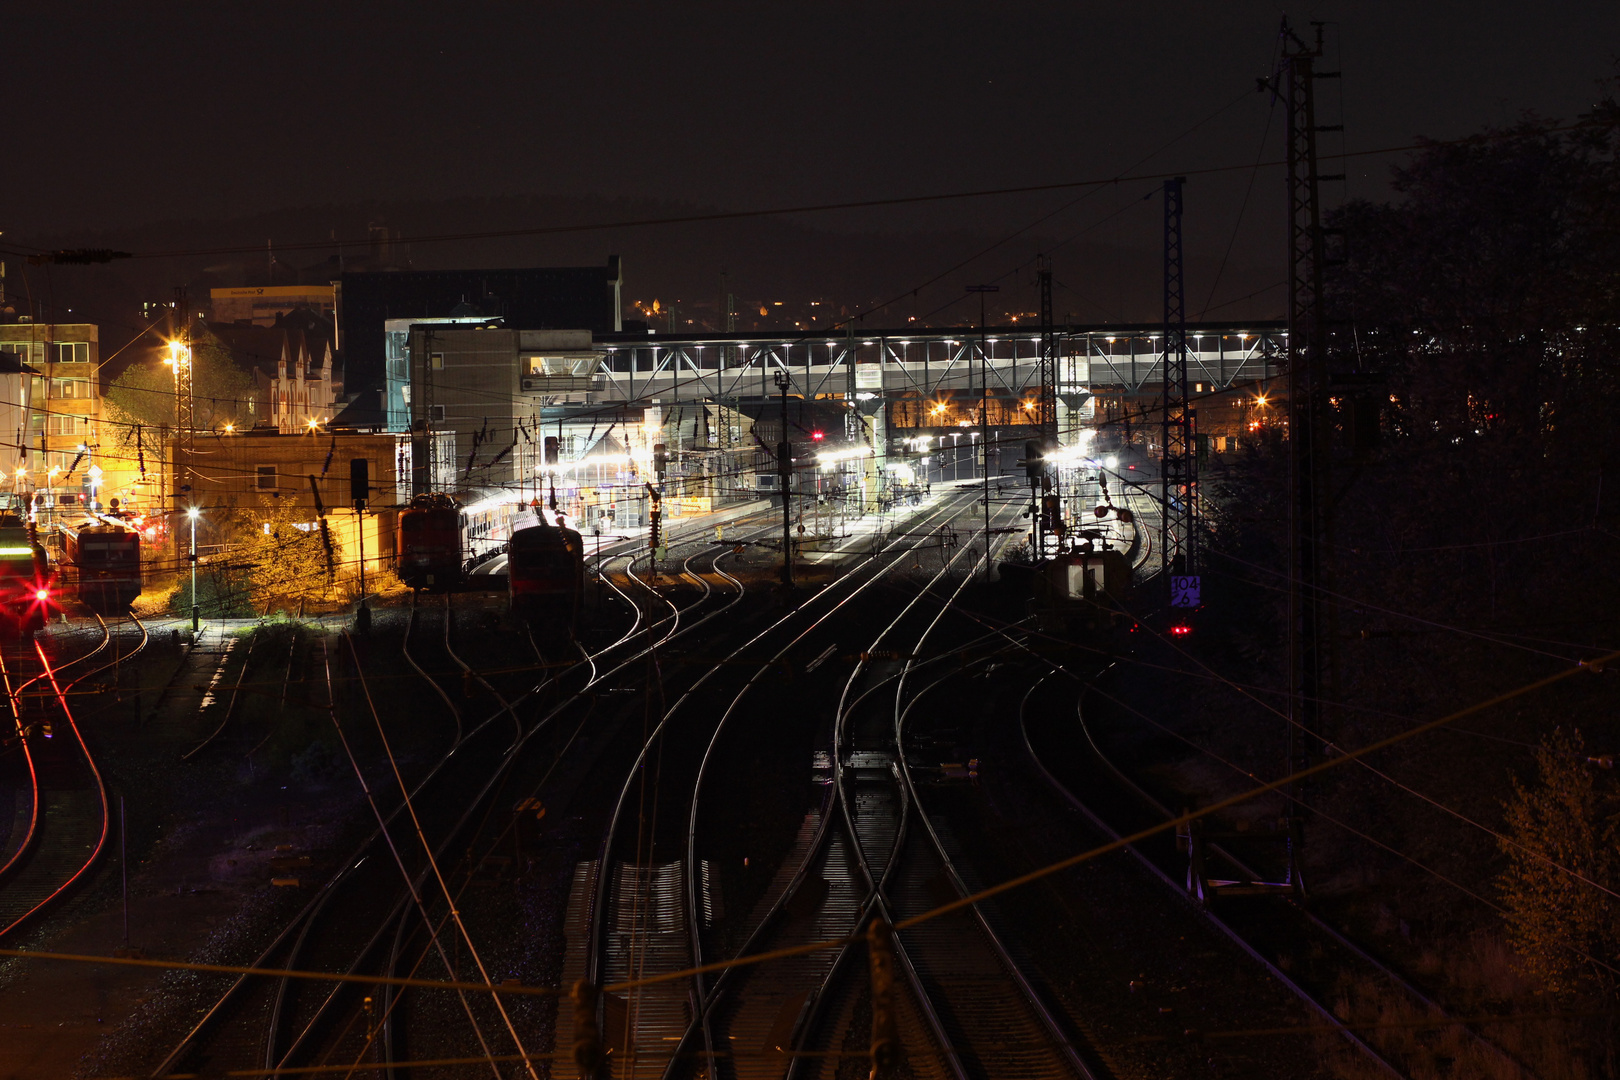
(195, 621)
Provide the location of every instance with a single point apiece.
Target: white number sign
(1186, 591)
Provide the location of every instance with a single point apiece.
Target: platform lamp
(195, 620)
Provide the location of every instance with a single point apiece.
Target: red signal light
(1181, 630)
(42, 594)
(817, 436)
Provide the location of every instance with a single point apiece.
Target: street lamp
(192, 514)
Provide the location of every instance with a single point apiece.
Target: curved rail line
(1004, 1021)
(1315, 923)
(836, 914)
(300, 927)
(479, 807)
(711, 998)
(994, 1033)
(71, 816)
(600, 886)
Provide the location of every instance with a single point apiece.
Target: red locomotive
(27, 585)
(430, 548)
(105, 555)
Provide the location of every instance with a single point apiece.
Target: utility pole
(184, 411)
(1178, 472)
(1309, 421)
(182, 355)
(1046, 408)
(984, 415)
(1046, 411)
(423, 445)
(784, 467)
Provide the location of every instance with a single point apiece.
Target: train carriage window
(264, 477)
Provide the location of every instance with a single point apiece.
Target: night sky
(125, 116)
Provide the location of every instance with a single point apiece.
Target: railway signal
(359, 481)
(587, 1034)
(1034, 462)
(552, 448)
(654, 521)
(885, 1048)
(660, 460)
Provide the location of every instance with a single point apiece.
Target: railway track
(975, 1014)
(358, 920)
(405, 1017)
(632, 923)
(1275, 930)
(68, 813)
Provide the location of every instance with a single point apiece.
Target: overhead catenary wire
(856, 204)
(444, 888)
(1596, 664)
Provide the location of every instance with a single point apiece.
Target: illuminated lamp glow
(817, 436)
(42, 594)
(15, 551)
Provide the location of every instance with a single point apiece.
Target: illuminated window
(29, 352)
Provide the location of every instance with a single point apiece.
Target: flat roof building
(532, 298)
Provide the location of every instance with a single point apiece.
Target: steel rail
(708, 999)
(13, 701)
(1376, 1059)
(876, 900)
(61, 888)
(400, 912)
(236, 694)
(1043, 1013)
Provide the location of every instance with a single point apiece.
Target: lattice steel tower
(184, 403)
(1047, 408)
(1309, 423)
(1178, 477)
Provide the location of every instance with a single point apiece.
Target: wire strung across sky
(1596, 664)
(856, 204)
